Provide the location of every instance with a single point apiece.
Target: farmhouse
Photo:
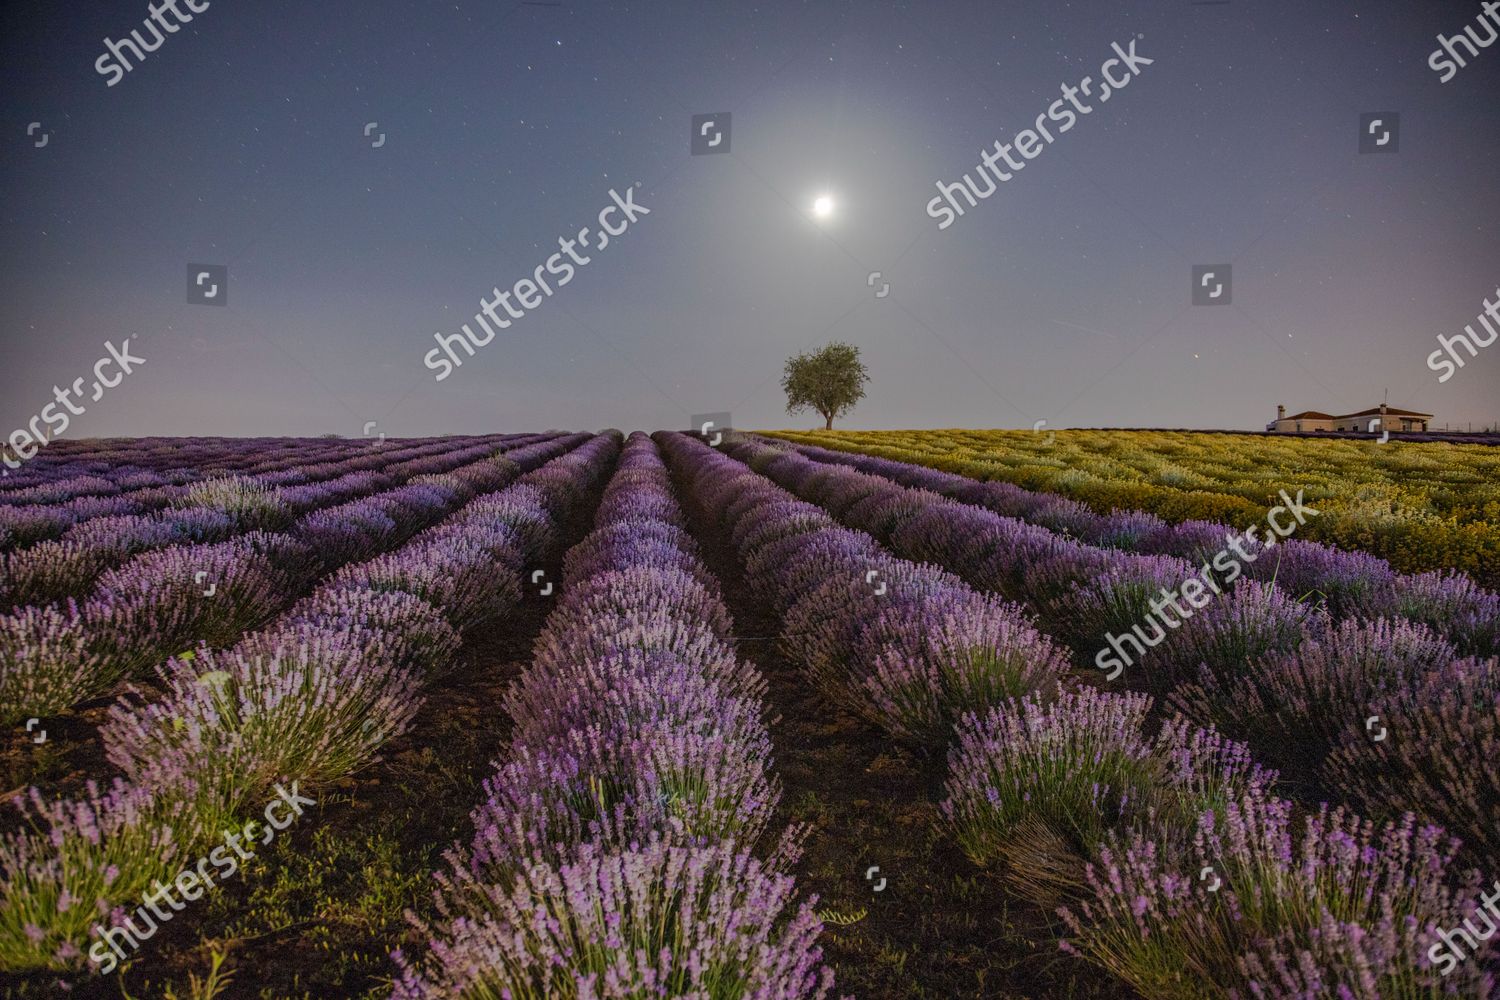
(1372, 421)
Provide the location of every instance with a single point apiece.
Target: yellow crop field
(1420, 505)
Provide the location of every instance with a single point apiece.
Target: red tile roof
(1390, 411)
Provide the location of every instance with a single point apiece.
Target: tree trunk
(828, 425)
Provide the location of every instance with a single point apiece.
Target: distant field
(1420, 505)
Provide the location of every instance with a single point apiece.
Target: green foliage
(253, 505)
(217, 982)
(1420, 505)
(829, 381)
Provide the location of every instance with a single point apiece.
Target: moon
(823, 206)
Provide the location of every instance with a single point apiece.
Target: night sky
(1063, 297)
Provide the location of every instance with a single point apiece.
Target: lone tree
(830, 381)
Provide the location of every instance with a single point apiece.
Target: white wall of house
(1376, 423)
(1363, 423)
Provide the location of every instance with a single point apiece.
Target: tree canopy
(829, 381)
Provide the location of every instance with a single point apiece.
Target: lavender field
(1106, 608)
(588, 715)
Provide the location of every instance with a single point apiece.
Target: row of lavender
(311, 698)
(53, 657)
(115, 465)
(624, 847)
(1300, 679)
(1351, 584)
(1179, 868)
(246, 494)
(47, 510)
(213, 510)
(110, 467)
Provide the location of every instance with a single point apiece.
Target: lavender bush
(1437, 759)
(65, 873)
(923, 663)
(1104, 600)
(703, 779)
(462, 583)
(658, 920)
(51, 570)
(46, 664)
(308, 703)
(412, 630)
(1249, 623)
(636, 725)
(1263, 904)
(1451, 604)
(1297, 704)
(1039, 786)
(1066, 772)
(1349, 584)
(156, 604)
(252, 505)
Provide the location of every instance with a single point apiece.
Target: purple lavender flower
(1203, 771)
(349, 532)
(1115, 600)
(157, 603)
(628, 775)
(51, 570)
(1443, 735)
(1453, 605)
(658, 919)
(459, 581)
(1297, 704)
(642, 587)
(789, 571)
(1249, 623)
(1262, 901)
(81, 856)
(1347, 583)
(309, 703)
(925, 661)
(635, 543)
(21, 526)
(46, 664)
(1056, 775)
(252, 505)
(411, 629)
(884, 513)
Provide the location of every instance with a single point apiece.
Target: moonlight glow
(823, 206)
